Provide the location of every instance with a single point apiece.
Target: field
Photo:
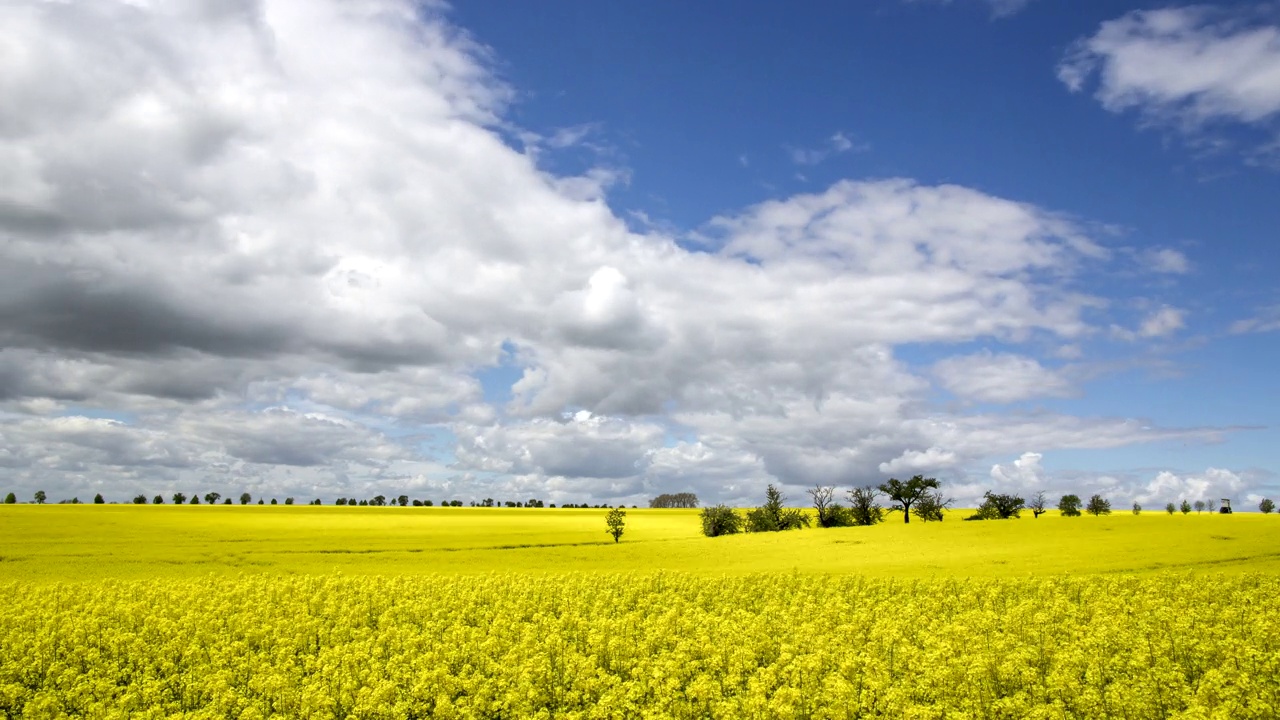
(324, 612)
(83, 542)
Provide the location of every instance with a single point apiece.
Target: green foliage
(998, 507)
(830, 514)
(10, 499)
(289, 500)
(864, 506)
(195, 499)
(615, 522)
(1069, 505)
(906, 494)
(1185, 507)
(773, 517)
(99, 500)
(40, 497)
(139, 499)
(1098, 505)
(720, 520)
(157, 500)
(1266, 506)
(403, 500)
(1170, 508)
(178, 498)
(930, 506)
(212, 497)
(1199, 506)
(245, 498)
(1137, 509)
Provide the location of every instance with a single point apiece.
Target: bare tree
(1038, 504)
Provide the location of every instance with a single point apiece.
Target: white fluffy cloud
(1188, 67)
(277, 243)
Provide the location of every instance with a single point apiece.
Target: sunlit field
(328, 612)
(73, 543)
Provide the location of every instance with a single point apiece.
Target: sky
(594, 252)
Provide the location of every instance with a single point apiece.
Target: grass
(67, 543)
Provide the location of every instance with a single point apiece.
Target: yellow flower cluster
(643, 646)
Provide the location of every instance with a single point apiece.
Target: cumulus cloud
(1024, 474)
(279, 243)
(1167, 260)
(1186, 67)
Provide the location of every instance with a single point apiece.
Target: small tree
(864, 506)
(773, 517)
(830, 513)
(1037, 505)
(245, 498)
(1185, 507)
(288, 501)
(402, 500)
(10, 499)
(378, 500)
(1137, 509)
(273, 502)
(1199, 506)
(227, 501)
(178, 498)
(1069, 505)
(906, 494)
(1266, 506)
(718, 520)
(426, 503)
(930, 506)
(99, 500)
(195, 499)
(40, 497)
(157, 500)
(260, 502)
(1098, 505)
(1211, 505)
(615, 522)
(139, 499)
(212, 497)
(1170, 508)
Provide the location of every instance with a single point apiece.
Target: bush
(719, 520)
(773, 517)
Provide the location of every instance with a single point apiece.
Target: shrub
(998, 507)
(719, 520)
(864, 506)
(1069, 506)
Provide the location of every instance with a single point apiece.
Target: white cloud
(1267, 320)
(1186, 67)
(1023, 475)
(999, 378)
(1162, 322)
(1167, 260)
(835, 145)
(919, 461)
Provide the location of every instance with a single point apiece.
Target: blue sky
(597, 251)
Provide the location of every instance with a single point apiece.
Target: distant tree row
(213, 498)
(677, 500)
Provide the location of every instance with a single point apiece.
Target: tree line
(214, 498)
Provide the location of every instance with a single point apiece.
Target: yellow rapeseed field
(304, 612)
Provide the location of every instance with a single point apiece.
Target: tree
(614, 522)
(1037, 505)
(378, 500)
(678, 500)
(1185, 507)
(273, 501)
(402, 500)
(227, 501)
(773, 517)
(99, 500)
(1266, 506)
(717, 521)
(40, 497)
(998, 507)
(260, 502)
(1199, 506)
(212, 497)
(10, 499)
(1069, 505)
(195, 499)
(1211, 505)
(245, 498)
(864, 506)
(157, 500)
(288, 501)
(830, 513)
(1098, 505)
(906, 494)
(930, 506)
(1170, 508)
(426, 503)
(1137, 509)
(178, 498)
(139, 499)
